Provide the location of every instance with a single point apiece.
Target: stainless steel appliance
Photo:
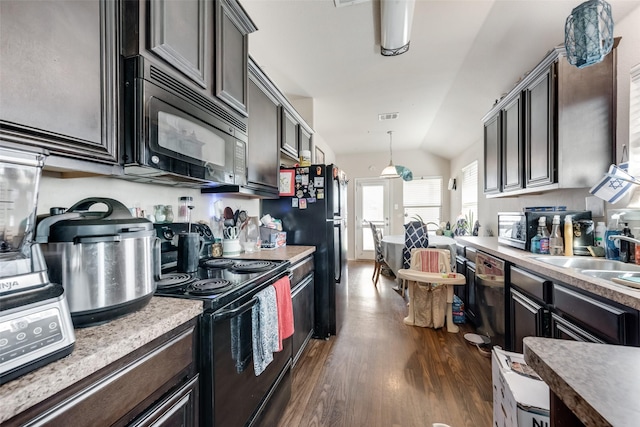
(321, 222)
(490, 298)
(174, 135)
(35, 324)
(107, 261)
(231, 394)
(518, 228)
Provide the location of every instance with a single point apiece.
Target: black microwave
(175, 135)
(518, 228)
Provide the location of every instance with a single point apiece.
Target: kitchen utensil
(231, 233)
(189, 247)
(242, 217)
(107, 261)
(236, 214)
(228, 213)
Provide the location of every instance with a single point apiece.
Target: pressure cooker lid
(116, 220)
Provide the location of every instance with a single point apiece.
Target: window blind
(423, 197)
(470, 189)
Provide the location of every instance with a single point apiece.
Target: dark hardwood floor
(379, 372)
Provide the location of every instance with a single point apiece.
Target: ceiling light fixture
(390, 171)
(588, 33)
(396, 17)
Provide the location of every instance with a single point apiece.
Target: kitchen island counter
(598, 383)
(95, 348)
(291, 253)
(604, 288)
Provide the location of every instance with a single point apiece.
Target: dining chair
(378, 260)
(430, 287)
(416, 235)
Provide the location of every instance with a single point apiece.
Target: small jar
(168, 213)
(159, 213)
(216, 248)
(185, 204)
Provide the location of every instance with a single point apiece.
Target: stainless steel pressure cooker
(107, 261)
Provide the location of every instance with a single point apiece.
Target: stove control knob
(168, 234)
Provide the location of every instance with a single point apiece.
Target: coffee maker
(35, 323)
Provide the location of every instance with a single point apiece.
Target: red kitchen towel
(285, 309)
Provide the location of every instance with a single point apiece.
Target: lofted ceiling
(463, 56)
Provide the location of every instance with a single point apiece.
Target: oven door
(173, 136)
(233, 394)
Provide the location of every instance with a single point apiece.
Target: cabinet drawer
(533, 285)
(610, 322)
(178, 409)
(113, 398)
(300, 270)
(563, 329)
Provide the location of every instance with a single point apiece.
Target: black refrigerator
(313, 210)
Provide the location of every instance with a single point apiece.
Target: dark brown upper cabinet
(557, 130)
(539, 134)
(59, 80)
(512, 159)
(289, 142)
(264, 133)
(233, 27)
(492, 155)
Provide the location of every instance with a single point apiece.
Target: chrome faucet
(623, 237)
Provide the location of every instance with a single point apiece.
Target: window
(470, 190)
(423, 197)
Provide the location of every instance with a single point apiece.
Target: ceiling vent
(388, 116)
(343, 3)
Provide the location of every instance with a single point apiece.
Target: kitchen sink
(610, 274)
(589, 263)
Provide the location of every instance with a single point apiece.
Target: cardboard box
(518, 401)
(272, 239)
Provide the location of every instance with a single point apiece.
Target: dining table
(393, 244)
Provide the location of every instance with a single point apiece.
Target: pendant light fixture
(390, 171)
(588, 33)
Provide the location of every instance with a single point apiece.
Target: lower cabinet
(528, 319)
(303, 300)
(603, 319)
(155, 385)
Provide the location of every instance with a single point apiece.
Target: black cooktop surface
(219, 280)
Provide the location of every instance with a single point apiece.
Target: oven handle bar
(233, 312)
(227, 314)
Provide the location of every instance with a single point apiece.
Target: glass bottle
(556, 246)
(168, 213)
(159, 213)
(184, 208)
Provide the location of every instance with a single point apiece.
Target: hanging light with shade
(588, 33)
(390, 171)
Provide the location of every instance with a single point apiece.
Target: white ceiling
(463, 56)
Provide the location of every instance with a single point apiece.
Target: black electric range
(231, 394)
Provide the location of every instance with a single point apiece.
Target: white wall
(369, 165)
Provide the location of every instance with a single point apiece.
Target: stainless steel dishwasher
(491, 298)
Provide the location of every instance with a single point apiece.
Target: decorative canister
(216, 248)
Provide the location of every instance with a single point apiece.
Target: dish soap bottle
(556, 246)
(601, 230)
(544, 240)
(568, 235)
(535, 240)
(625, 246)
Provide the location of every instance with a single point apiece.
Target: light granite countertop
(95, 348)
(604, 288)
(291, 253)
(599, 383)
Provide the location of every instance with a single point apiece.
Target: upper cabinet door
(540, 131)
(177, 34)
(233, 26)
(512, 158)
(304, 140)
(289, 141)
(59, 77)
(492, 155)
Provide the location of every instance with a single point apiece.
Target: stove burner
(173, 280)
(208, 286)
(216, 263)
(252, 266)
